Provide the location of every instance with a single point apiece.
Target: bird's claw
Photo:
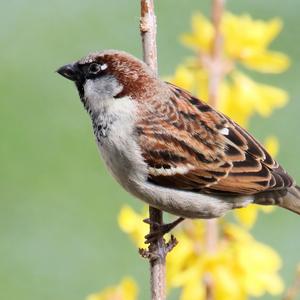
(150, 222)
(160, 230)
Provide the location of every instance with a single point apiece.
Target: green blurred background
(59, 237)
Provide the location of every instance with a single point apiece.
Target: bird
(170, 149)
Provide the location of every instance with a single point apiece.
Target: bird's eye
(94, 68)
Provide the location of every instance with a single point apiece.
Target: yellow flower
(202, 35)
(247, 97)
(267, 62)
(250, 44)
(188, 252)
(239, 97)
(125, 290)
(132, 223)
(258, 264)
(247, 46)
(240, 266)
(193, 290)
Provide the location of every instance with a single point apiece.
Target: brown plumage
(185, 132)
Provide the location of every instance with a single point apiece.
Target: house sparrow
(170, 149)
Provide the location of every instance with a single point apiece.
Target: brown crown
(137, 78)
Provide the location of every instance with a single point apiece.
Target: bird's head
(107, 75)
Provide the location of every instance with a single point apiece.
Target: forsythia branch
(216, 62)
(215, 71)
(148, 33)
(157, 249)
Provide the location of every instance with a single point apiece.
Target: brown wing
(190, 146)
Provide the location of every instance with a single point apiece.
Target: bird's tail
(289, 198)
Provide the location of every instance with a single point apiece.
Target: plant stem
(216, 65)
(148, 33)
(157, 250)
(157, 259)
(215, 71)
(211, 243)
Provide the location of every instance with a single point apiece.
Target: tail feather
(288, 198)
(291, 200)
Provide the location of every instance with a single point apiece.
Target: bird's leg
(160, 230)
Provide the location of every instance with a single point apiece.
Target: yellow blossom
(188, 252)
(193, 290)
(267, 62)
(248, 46)
(240, 266)
(125, 290)
(258, 263)
(202, 36)
(132, 223)
(247, 97)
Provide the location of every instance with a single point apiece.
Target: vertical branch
(157, 250)
(157, 258)
(216, 72)
(148, 33)
(216, 64)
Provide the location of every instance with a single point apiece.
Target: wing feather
(187, 145)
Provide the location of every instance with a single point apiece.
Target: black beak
(70, 71)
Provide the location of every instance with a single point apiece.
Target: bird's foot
(160, 229)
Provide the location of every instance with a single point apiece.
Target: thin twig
(148, 32)
(217, 65)
(158, 249)
(215, 73)
(211, 243)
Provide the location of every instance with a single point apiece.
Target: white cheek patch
(103, 67)
(224, 131)
(100, 89)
